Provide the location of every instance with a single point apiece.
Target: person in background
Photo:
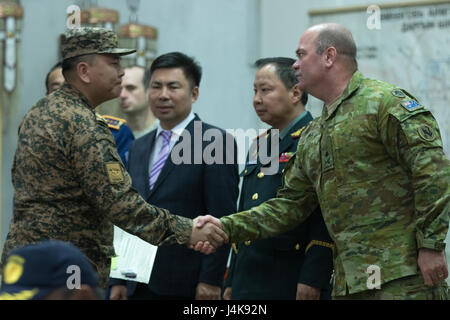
(134, 102)
(54, 79)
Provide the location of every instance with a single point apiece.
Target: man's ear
(83, 72)
(194, 94)
(295, 94)
(330, 56)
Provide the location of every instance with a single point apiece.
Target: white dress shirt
(176, 133)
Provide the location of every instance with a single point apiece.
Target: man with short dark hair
(304, 257)
(54, 79)
(69, 181)
(193, 186)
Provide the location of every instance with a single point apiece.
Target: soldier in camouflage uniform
(69, 181)
(375, 163)
(121, 132)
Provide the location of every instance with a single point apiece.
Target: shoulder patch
(411, 105)
(426, 133)
(296, 134)
(114, 122)
(114, 171)
(398, 93)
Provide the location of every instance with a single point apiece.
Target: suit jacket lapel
(169, 165)
(149, 143)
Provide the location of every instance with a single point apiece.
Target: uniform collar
(75, 93)
(287, 130)
(352, 86)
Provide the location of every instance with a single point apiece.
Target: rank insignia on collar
(411, 105)
(285, 156)
(296, 134)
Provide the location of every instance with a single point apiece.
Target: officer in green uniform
(298, 263)
(69, 181)
(374, 162)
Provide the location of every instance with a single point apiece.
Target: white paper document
(134, 256)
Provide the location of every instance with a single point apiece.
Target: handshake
(207, 234)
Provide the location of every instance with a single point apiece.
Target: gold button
(297, 247)
(282, 171)
(255, 196)
(247, 243)
(245, 171)
(260, 175)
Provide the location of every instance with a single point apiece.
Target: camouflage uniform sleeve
(107, 185)
(295, 201)
(411, 136)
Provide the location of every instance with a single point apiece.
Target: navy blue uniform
(122, 135)
(272, 268)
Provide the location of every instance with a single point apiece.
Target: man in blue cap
(49, 270)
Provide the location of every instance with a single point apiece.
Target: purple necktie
(162, 157)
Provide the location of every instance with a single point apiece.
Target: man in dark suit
(297, 264)
(172, 168)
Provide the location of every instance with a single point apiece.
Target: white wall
(285, 20)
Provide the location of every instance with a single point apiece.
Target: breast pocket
(356, 147)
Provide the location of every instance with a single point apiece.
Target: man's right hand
(118, 292)
(209, 235)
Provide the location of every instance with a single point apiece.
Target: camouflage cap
(86, 40)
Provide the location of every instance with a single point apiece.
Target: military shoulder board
(114, 122)
(296, 134)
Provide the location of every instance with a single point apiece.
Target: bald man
(374, 162)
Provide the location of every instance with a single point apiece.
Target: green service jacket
(375, 164)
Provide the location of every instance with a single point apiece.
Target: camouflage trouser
(408, 288)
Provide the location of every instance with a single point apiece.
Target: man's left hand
(206, 291)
